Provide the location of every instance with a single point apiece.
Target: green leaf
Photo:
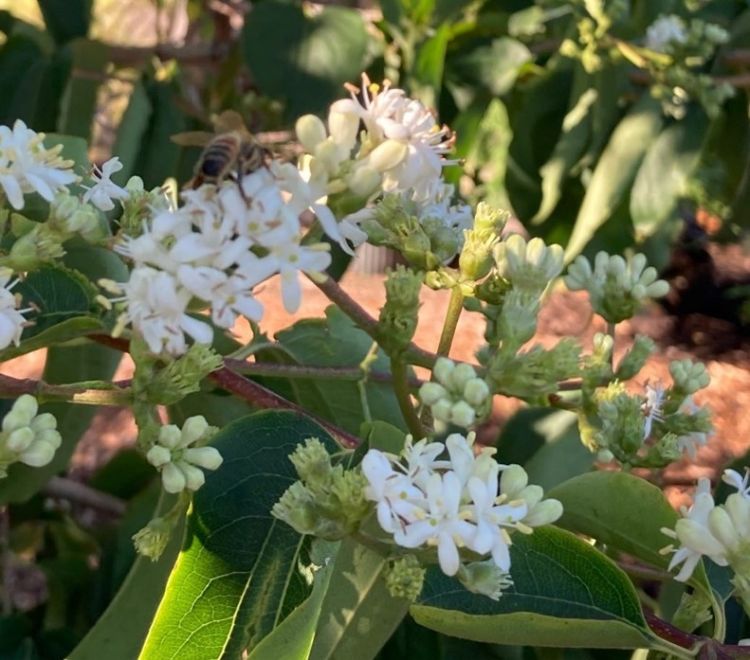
(132, 129)
(59, 294)
(303, 60)
(66, 20)
(663, 176)
(574, 137)
(427, 77)
(358, 615)
(618, 509)
(496, 66)
(615, 171)
(294, 637)
(237, 576)
(120, 631)
(333, 342)
(57, 334)
(78, 104)
(73, 148)
(565, 594)
(18, 55)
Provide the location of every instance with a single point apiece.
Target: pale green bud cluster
(529, 267)
(70, 216)
(404, 578)
(535, 372)
(28, 437)
(457, 396)
(518, 320)
(181, 464)
(425, 243)
(182, 376)
(617, 288)
(484, 578)
(36, 245)
(514, 483)
(689, 376)
(399, 316)
(621, 422)
(328, 501)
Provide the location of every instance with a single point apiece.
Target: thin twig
(114, 394)
(74, 491)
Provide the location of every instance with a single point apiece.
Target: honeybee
(229, 153)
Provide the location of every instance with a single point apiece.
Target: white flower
(27, 166)
(157, 309)
(178, 462)
(442, 524)
(653, 408)
(12, 321)
(289, 260)
(694, 534)
(394, 120)
(104, 189)
(664, 31)
(734, 479)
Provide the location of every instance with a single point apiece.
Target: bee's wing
(192, 138)
(229, 121)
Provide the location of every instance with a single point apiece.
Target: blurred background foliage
(561, 115)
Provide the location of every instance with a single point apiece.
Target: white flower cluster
(721, 533)
(179, 462)
(26, 436)
(216, 247)
(401, 150)
(462, 501)
(11, 318)
(27, 166)
(664, 31)
(458, 397)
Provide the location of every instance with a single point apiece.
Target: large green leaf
(565, 594)
(574, 137)
(78, 103)
(66, 20)
(303, 60)
(19, 55)
(663, 176)
(427, 78)
(132, 128)
(615, 171)
(57, 294)
(237, 576)
(495, 66)
(618, 509)
(333, 342)
(358, 615)
(120, 631)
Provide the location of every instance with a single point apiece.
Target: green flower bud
(518, 321)
(310, 131)
(173, 479)
(158, 456)
(153, 538)
(404, 578)
(21, 414)
(20, 439)
(635, 358)
(40, 453)
(170, 436)
(194, 429)
(388, 155)
(462, 414)
(183, 375)
(194, 478)
(443, 369)
(489, 221)
(484, 578)
(476, 392)
(529, 266)
(297, 509)
(513, 480)
(689, 376)
(475, 260)
(431, 393)
(460, 376)
(364, 181)
(312, 462)
(442, 411)
(207, 458)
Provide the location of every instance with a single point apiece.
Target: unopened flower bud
(173, 478)
(20, 439)
(153, 538)
(442, 410)
(158, 456)
(462, 414)
(544, 513)
(635, 358)
(170, 436)
(431, 393)
(310, 132)
(443, 369)
(312, 462)
(38, 454)
(194, 477)
(207, 458)
(513, 480)
(461, 374)
(388, 155)
(476, 392)
(364, 181)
